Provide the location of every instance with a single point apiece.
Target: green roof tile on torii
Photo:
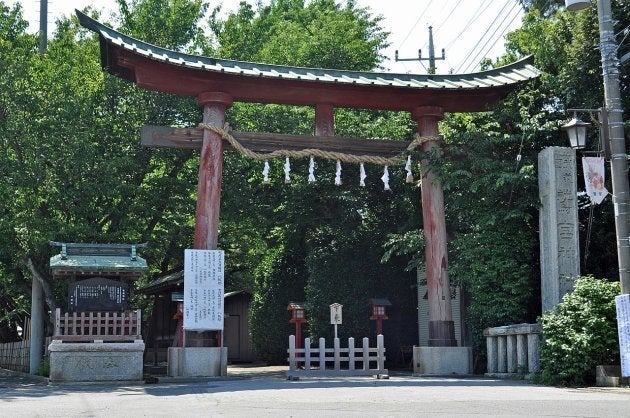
(159, 69)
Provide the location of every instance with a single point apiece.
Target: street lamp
(614, 128)
(574, 5)
(576, 129)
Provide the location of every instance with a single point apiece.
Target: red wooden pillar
(210, 171)
(298, 334)
(441, 326)
(210, 175)
(324, 120)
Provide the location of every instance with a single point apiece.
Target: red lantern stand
(298, 317)
(379, 313)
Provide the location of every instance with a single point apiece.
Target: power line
(480, 10)
(471, 58)
(434, 17)
(415, 24)
(437, 28)
(483, 51)
(483, 36)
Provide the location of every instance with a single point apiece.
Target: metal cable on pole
(43, 26)
(484, 6)
(493, 38)
(415, 24)
(618, 159)
(481, 38)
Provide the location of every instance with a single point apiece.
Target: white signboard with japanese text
(203, 290)
(623, 324)
(335, 314)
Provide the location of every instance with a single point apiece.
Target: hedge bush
(579, 334)
(280, 279)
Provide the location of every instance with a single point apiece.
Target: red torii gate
(217, 83)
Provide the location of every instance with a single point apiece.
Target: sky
(468, 30)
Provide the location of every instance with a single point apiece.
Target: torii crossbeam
(217, 83)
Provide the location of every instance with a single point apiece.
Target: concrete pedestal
(608, 376)
(96, 362)
(442, 360)
(197, 361)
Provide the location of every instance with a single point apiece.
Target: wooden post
(379, 326)
(324, 120)
(441, 325)
(292, 347)
(380, 353)
(210, 175)
(337, 353)
(322, 354)
(351, 353)
(210, 171)
(298, 334)
(307, 354)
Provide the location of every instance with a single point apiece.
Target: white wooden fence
(310, 361)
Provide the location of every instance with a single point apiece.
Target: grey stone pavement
(265, 392)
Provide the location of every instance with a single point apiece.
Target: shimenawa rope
(315, 152)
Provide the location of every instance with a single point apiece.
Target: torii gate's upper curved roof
(160, 69)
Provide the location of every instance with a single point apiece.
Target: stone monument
(559, 238)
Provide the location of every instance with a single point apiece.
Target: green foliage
(172, 24)
(44, 368)
(318, 33)
(579, 334)
(280, 279)
(72, 168)
(491, 214)
(71, 164)
(564, 45)
(344, 267)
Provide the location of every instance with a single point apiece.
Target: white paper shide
(203, 289)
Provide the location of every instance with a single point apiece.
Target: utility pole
(431, 58)
(618, 157)
(614, 111)
(43, 26)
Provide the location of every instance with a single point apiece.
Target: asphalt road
(270, 394)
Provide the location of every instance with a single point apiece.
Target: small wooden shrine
(98, 312)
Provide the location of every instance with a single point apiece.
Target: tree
(16, 51)
(78, 173)
(564, 47)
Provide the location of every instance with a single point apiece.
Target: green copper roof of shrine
(160, 69)
(97, 259)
